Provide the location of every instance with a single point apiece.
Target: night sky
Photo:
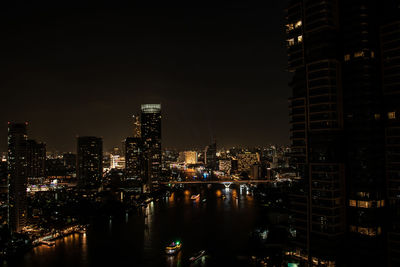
(219, 72)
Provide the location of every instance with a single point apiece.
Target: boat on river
(197, 256)
(173, 248)
(195, 197)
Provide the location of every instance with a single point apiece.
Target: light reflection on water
(219, 225)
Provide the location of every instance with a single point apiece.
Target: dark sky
(85, 69)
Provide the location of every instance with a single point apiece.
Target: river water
(221, 226)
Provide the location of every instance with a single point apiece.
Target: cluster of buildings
(26, 163)
(257, 163)
(344, 57)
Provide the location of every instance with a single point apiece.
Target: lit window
(377, 116)
(391, 115)
(291, 42)
(359, 54)
(364, 204)
(289, 27)
(353, 203)
(300, 38)
(380, 203)
(347, 57)
(372, 54)
(298, 24)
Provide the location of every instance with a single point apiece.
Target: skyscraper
(3, 194)
(151, 138)
(137, 131)
(390, 44)
(89, 161)
(17, 175)
(337, 126)
(36, 159)
(133, 158)
(210, 156)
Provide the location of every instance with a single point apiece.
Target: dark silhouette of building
(36, 159)
(69, 160)
(55, 168)
(133, 158)
(17, 175)
(3, 194)
(210, 156)
(89, 161)
(338, 51)
(390, 53)
(151, 138)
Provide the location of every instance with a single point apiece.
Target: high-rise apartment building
(390, 53)
(3, 193)
(36, 159)
(137, 130)
(133, 158)
(210, 156)
(89, 161)
(17, 175)
(151, 138)
(340, 52)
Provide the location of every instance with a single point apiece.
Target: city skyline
(178, 135)
(93, 75)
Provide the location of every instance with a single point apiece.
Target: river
(220, 225)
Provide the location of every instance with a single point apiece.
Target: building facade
(210, 157)
(133, 158)
(17, 175)
(151, 138)
(36, 159)
(89, 161)
(342, 56)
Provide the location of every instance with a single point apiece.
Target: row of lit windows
(359, 54)
(369, 231)
(292, 41)
(292, 26)
(367, 203)
(391, 115)
(316, 261)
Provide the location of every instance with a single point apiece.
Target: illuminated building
(190, 157)
(210, 156)
(246, 161)
(36, 159)
(133, 158)
(337, 132)
(151, 138)
(117, 162)
(137, 131)
(225, 165)
(17, 175)
(89, 160)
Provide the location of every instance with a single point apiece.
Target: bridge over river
(227, 183)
